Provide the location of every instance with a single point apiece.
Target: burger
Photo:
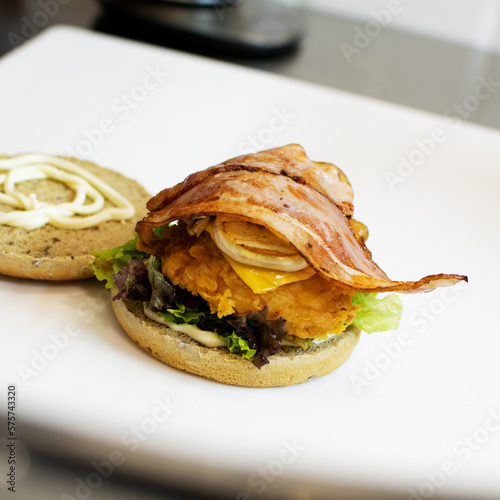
(254, 272)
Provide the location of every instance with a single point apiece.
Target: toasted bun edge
(290, 366)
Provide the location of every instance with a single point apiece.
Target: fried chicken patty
(312, 308)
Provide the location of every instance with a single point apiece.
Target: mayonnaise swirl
(85, 210)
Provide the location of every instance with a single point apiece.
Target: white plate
(415, 412)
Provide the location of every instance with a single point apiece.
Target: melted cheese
(262, 280)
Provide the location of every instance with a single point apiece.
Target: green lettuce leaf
(184, 315)
(181, 315)
(159, 230)
(121, 254)
(377, 314)
(237, 345)
(103, 275)
(117, 258)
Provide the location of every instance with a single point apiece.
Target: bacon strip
(306, 217)
(290, 161)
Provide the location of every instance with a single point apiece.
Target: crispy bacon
(290, 161)
(282, 190)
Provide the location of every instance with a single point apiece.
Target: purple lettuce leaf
(142, 280)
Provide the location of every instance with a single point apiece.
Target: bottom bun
(292, 365)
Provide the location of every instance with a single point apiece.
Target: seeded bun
(292, 365)
(51, 253)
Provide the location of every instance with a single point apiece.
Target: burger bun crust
(292, 365)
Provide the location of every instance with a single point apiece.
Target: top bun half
(54, 253)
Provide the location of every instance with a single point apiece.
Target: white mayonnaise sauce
(204, 337)
(30, 213)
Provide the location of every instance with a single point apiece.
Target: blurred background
(439, 56)
(426, 54)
